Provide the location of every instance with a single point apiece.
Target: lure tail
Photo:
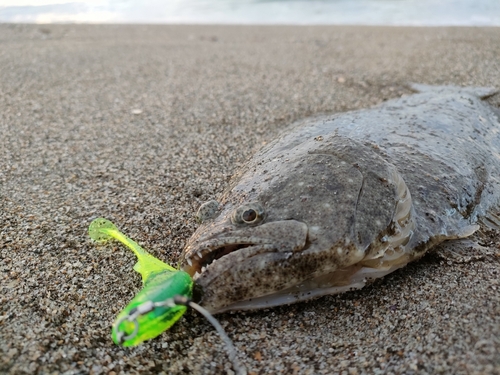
(103, 230)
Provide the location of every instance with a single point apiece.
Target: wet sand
(141, 124)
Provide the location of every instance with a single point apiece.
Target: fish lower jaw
(347, 278)
(357, 277)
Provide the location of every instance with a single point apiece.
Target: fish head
(295, 218)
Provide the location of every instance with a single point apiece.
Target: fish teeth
(203, 269)
(196, 275)
(188, 260)
(199, 254)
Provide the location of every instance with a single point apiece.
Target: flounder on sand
(347, 198)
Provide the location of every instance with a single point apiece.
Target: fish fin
(463, 250)
(490, 220)
(480, 92)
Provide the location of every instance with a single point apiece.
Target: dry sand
(140, 124)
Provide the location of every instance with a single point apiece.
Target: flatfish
(340, 200)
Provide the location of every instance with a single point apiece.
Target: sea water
(294, 12)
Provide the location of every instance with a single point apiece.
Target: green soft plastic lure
(165, 296)
(141, 319)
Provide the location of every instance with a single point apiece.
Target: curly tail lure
(164, 298)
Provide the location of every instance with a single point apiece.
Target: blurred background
(295, 12)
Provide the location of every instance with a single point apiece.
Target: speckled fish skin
(347, 198)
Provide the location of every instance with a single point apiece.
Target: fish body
(343, 199)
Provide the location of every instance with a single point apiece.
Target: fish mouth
(199, 260)
(199, 256)
(218, 253)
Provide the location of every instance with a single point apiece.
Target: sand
(141, 124)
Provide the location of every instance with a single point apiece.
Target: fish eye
(207, 211)
(251, 213)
